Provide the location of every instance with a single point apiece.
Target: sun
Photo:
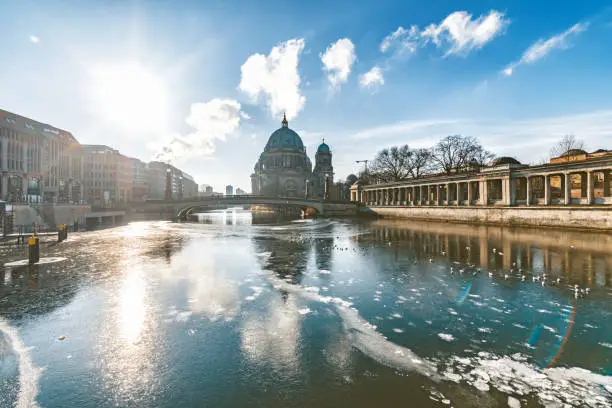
(130, 96)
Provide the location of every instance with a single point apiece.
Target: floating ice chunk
(481, 385)
(484, 329)
(520, 326)
(446, 337)
(396, 315)
(324, 272)
(249, 298)
(452, 376)
(398, 330)
(604, 344)
(304, 311)
(513, 402)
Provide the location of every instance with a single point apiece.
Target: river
(228, 312)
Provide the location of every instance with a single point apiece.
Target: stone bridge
(182, 208)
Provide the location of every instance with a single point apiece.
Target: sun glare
(130, 96)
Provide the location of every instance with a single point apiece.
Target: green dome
(323, 148)
(284, 138)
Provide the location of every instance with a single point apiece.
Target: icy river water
(309, 313)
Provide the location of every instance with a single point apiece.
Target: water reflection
(576, 257)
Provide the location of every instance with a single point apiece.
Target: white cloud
(34, 39)
(338, 59)
(464, 34)
(372, 78)
(210, 121)
(458, 32)
(402, 40)
(276, 78)
(542, 47)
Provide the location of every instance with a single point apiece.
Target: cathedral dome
(323, 148)
(285, 138)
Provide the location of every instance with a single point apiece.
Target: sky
(202, 84)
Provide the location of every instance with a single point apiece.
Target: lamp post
(168, 195)
(307, 188)
(180, 189)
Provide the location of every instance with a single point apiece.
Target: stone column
(567, 188)
(469, 192)
(447, 188)
(485, 192)
(528, 186)
(458, 193)
(438, 194)
(512, 185)
(590, 185)
(546, 189)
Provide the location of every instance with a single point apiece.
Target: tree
(392, 164)
(456, 153)
(567, 143)
(420, 162)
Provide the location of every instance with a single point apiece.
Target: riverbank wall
(49, 214)
(590, 218)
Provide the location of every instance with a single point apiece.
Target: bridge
(183, 208)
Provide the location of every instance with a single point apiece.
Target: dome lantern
(284, 122)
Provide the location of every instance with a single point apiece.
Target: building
(190, 187)
(229, 190)
(167, 182)
(107, 177)
(140, 185)
(38, 162)
(240, 191)
(285, 170)
(575, 178)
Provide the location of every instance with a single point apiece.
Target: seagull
(506, 276)
(500, 253)
(490, 274)
(494, 250)
(543, 283)
(523, 278)
(461, 271)
(558, 280)
(587, 290)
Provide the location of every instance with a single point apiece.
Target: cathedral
(285, 170)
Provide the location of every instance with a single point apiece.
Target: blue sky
(204, 83)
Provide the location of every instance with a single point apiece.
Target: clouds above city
(275, 78)
(542, 47)
(372, 79)
(459, 34)
(211, 82)
(338, 59)
(209, 121)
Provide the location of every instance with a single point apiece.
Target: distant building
(140, 185)
(229, 190)
(182, 185)
(209, 189)
(190, 187)
(240, 191)
(108, 176)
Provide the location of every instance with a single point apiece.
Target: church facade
(285, 170)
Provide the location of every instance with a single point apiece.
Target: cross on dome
(284, 121)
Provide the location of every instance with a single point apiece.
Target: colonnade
(522, 187)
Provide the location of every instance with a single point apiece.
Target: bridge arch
(183, 210)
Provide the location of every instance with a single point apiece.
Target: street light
(168, 195)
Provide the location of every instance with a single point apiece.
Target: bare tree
(392, 164)
(567, 143)
(457, 153)
(420, 162)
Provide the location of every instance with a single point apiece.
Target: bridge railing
(243, 198)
